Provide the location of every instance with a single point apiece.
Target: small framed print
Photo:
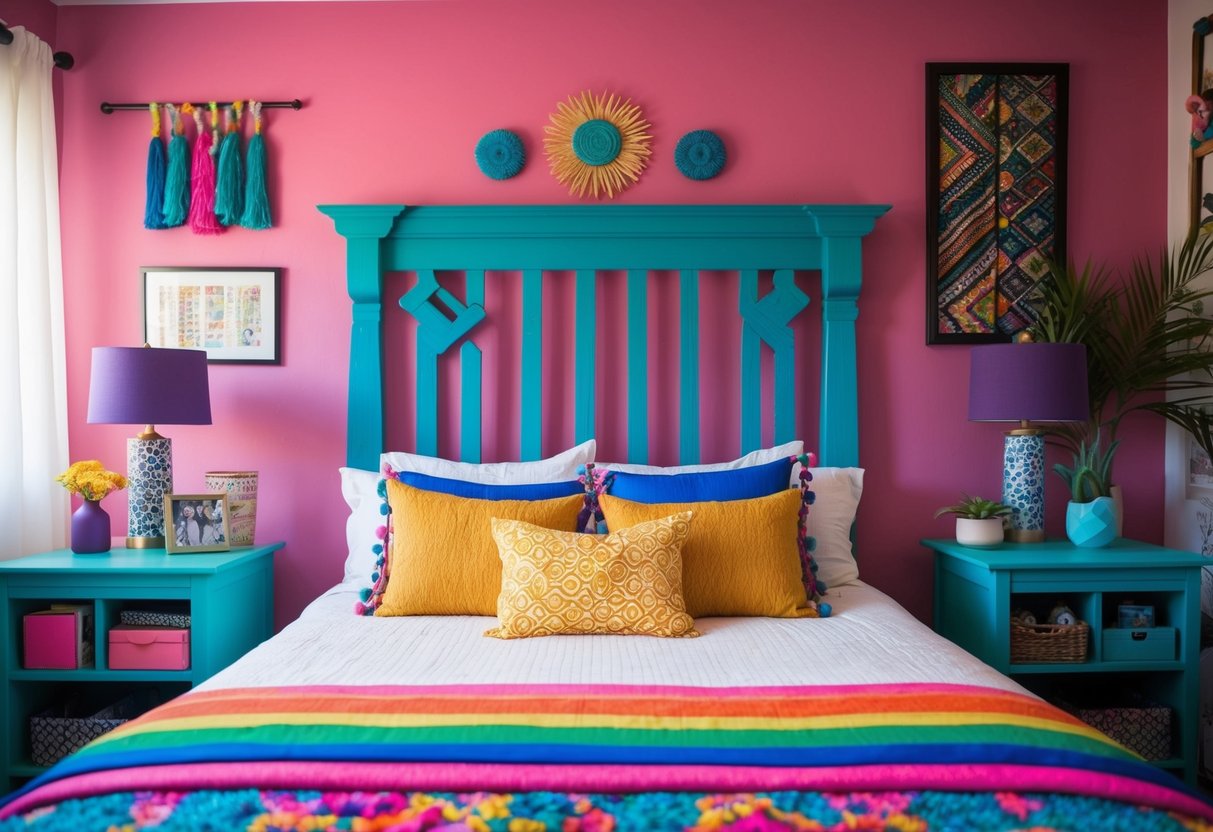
(1200, 471)
(196, 523)
(1135, 616)
(232, 313)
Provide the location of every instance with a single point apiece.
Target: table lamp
(1027, 382)
(148, 386)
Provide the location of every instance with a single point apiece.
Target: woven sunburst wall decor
(597, 144)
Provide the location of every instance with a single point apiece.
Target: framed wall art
(996, 194)
(196, 523)
(1200, 106)
(232, 313)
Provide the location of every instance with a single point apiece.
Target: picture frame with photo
(195, 523)
(231, 312)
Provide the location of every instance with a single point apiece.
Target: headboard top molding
(534, 239)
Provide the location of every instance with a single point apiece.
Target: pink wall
(38, 16)
(819, 102)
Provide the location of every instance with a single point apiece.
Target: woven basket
(1043, 643)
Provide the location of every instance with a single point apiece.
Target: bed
(864, 719)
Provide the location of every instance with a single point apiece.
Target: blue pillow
(483, 491)
(722, 486)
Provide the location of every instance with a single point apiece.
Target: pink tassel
(202, 183)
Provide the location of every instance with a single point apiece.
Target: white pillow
(837, 493)
(760, 457)
(559, 468)
(360, 488)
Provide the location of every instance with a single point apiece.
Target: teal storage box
(1143, 644)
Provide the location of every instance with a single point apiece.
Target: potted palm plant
(1091, 516)
(979, 522)
(1147, 338)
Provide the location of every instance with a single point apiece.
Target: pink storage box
(148, 648)
(58, 639)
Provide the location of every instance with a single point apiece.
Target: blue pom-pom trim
(377, 548)
(374, 577)
(381, 489)
(825, 609)
(383, 509)
(811, 544)
(810, 497)
(700, 155)
(500, 154)
(365, 594)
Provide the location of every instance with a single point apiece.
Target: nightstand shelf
(230, 600)
(978, 589)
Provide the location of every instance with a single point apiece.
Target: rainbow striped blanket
(609, 740)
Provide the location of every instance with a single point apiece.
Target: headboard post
(364, 227)
(841, 277)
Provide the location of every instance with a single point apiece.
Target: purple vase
(90, 528)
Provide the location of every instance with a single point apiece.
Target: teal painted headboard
(587, 239)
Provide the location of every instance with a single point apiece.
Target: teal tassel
(177, 181)
(256, 200)
(229, 184)
(153, 211)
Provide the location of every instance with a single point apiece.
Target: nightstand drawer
(1145, 644)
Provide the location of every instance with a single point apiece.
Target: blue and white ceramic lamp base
(1023, 486)
(149, 466)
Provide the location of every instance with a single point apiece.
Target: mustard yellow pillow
(627, 583)
(741, 557)
(443, 559)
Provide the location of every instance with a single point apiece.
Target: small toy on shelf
(1200, 107)
(1063, 615)
(1024, 617)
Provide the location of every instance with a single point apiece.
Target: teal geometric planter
(1092, 524)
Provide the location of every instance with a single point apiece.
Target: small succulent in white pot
(979, 522)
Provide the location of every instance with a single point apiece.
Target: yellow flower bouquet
(90, 480)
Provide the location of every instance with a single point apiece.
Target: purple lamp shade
(1037, 382)
(148, 386)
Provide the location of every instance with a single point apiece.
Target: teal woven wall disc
(700, 154)
(597, 142)
(500, 154)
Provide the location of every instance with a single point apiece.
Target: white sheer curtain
(33, 386)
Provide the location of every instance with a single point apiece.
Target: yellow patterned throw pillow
(626, 583)
(741, 557)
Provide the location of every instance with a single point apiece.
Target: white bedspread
(869, 639)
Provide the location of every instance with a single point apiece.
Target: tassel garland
(153, 210)
(256, 199)
(177, 180)
(202, 180)
(229, 187)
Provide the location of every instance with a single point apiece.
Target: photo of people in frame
(196, 523)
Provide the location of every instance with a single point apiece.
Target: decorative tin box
(148, 648)
(60, 638)
(1146, 644)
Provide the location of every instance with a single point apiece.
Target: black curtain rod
(63, 60)
(296, 104)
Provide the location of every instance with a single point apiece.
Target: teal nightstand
(231, 600)
(977, 589)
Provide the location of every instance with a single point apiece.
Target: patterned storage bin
(1145, 729)
(60, 731)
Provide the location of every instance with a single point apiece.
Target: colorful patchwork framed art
(232, 313)
(996, 194)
